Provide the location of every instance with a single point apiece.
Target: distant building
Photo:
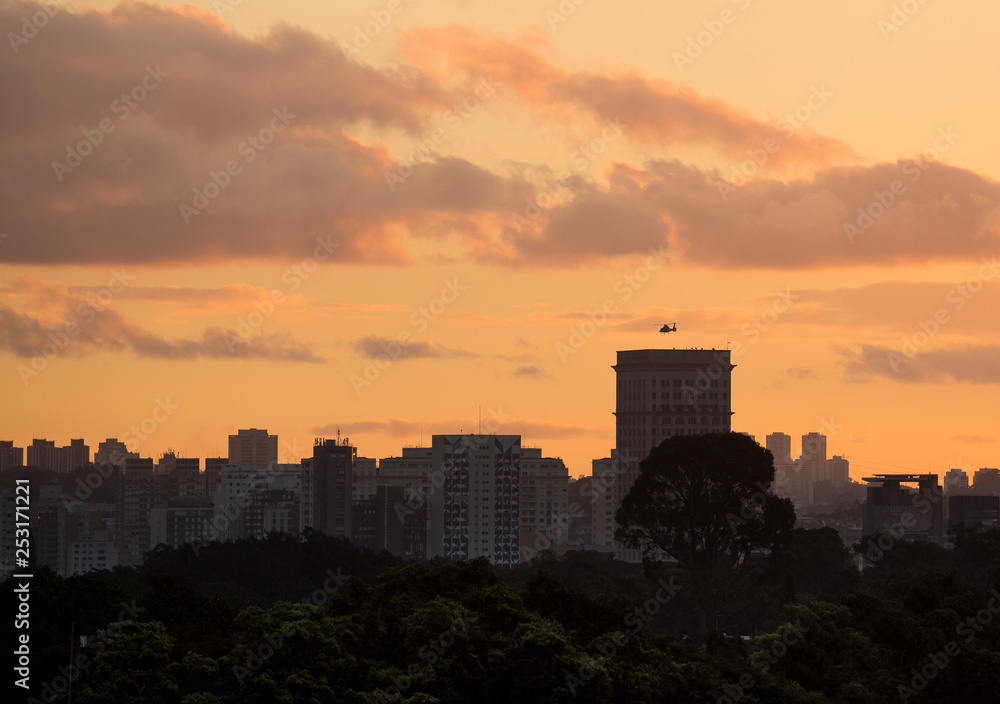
(475, 506)
(600, 495)
(838, 470)
(10, 457)
(328, 488)
(253, 446)
(42, 454)
(813, 459)
(543, 503)
(45, 455)
(138, 495)
(974, 511)
(986, 481)
(90, 539)
(663, 393)
(365, 478)
(113, 452)
(891, 508)
(956, 481)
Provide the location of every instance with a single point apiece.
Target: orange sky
(813, 185)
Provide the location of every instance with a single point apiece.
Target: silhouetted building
(974, 511)
(893, 509)
(475, 507)
(138, 495)
(10, 457)
(663, 393)
(986, 481)
(113, 452)
(543, 503)
(253, 446)
(956, 481)
(42, 454)
(328, 487)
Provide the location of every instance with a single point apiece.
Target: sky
(392, 219)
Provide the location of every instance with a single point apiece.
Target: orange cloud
(656, 111)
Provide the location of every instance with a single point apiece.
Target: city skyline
(404, 214)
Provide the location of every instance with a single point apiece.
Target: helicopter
(666, 328)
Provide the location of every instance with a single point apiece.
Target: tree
(705, 500)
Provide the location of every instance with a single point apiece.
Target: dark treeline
(314, 619)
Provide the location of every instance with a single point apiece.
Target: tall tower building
(253, 446)
(662, 393)
(813, 459)
(327, 488)
(475, 507)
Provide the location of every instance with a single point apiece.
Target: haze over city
(238, 208)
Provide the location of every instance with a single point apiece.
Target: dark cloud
(79, 325)
(970, 363)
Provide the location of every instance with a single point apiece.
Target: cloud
(399, 428)
(969, 363)
(803, 373)
(974, 439)
(532, 371)
(653, 110)
(373, 346)
(80, 324)
(259, 127)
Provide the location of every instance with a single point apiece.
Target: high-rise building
(601, 497)
(253, 446)
(475, 506)
(780, 446)
(956, 481)
(138, 495)
(10, 457)
(813, 456)
(663, 393)
(72, 456)
(981, 512)
(893, 509)
(328, 487)
(986, 481)
(543, 503)
(45, 455)
(838, 470)
(113, 452)
(365, 478)
(42, 454)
